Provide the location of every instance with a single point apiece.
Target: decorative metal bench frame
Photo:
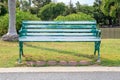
(59, 31)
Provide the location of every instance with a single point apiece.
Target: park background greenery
(105, 12)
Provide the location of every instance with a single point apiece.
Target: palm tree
(12, 33)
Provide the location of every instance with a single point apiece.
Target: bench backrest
(59, 28)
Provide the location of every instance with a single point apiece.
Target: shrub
(3, 24)
(20, 16)
(74, 17)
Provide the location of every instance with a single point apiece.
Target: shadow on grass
(62, 51)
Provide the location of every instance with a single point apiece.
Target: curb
(60, 69)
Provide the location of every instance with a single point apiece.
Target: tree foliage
(51, 11)
(38, 4)
(4, 1)
(84, 8)
(71, 8)
(25, 5)
(3, 9)
(33, 10)
(98, 14)
(111, 8)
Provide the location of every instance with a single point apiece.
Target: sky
(89, 2)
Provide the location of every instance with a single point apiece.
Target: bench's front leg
(20, 51)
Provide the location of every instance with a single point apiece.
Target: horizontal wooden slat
(59, 22)
(62, 36)
(58, 30)
(59, 26)
(59, 34)
(58, 39)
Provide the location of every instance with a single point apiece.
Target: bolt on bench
(59, 31)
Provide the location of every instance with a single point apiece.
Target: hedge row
(74, 17)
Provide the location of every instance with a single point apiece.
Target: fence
(110, 33)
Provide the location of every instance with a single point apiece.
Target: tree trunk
(12, 17)
(12, 33)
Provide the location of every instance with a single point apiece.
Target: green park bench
(59, 31)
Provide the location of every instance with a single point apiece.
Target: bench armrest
(20, 32)
(98, 33)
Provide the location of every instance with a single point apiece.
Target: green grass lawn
(68, 51)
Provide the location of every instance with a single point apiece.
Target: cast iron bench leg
(20, 51)
(97, 48)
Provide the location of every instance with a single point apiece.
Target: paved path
(60, 73)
